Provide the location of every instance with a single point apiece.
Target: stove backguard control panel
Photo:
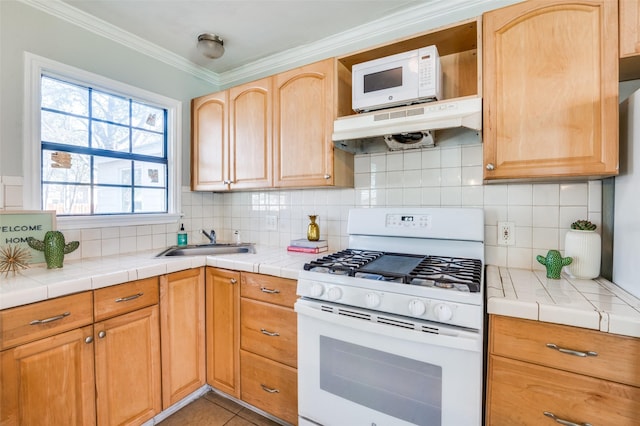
(408, 221)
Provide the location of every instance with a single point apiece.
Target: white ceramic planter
(585, 249)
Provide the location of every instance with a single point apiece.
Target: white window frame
(34, 67)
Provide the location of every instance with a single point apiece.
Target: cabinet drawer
(280, 291)
(269, 330)
(270, 386)
(123, 298)
(520, 393)
(616, 359)
(42, 319)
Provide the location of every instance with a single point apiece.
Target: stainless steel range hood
(357, 132)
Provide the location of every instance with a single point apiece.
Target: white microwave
(401, 79)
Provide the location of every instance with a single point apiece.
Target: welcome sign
(16, 226)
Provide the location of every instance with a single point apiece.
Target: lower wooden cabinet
(49, 381)
(127, 350)
(528, 394)
(270, 386)
(269, 347)
(222, 328)
(182, 334)
(538, 372)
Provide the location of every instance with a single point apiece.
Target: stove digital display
(408, 221)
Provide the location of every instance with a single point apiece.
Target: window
(106, 152)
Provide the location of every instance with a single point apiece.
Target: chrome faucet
(210, 235)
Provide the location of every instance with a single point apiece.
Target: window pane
(110, 108)
(149, 174)
(66, 199)
(60, 166)
(111, 171)
(148, 143)
(64, 97)
(110, 136)
(147, 117)
(150, 200)
(62, 128)
(112, 200)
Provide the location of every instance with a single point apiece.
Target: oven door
(359, 367)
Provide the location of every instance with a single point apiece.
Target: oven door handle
(457, 339)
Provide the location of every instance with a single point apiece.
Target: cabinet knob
(490, 166)
(102, 334)
(327, 176)
(88, 339)
(226, 182)
(233, 281)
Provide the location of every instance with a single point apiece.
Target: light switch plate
(271, 222)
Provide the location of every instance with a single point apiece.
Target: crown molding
(420, 18)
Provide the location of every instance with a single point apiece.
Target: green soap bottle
(182, 236)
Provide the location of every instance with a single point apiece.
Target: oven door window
(382, 381)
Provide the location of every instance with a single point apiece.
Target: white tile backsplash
(447, 176)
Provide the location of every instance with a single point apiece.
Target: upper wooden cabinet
(629, 39)
(231, 138)
(250, 147)
(210, 142)
(550, 93)
(305, 106)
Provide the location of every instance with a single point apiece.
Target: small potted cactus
(582, 243)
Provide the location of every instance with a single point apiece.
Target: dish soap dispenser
(182, 236)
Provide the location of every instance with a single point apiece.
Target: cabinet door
(629, 28)
(209, 143)
(250, 135)
(629, 39)
(182, 334)
(223, 330)
(49, 381)
(128, 368)
(520, 393)
(550, 72)
(304, 112)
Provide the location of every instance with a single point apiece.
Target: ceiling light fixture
(210, 45)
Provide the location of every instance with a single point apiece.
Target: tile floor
(214, 410)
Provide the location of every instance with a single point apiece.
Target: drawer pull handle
(268, 290)
(48, 320)
(571, 351)
(269, 333)
(126, 299)
(268, 389)
(564, 422)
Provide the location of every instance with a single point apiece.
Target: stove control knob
(417, 307)
(443, 312)
(373, 300)
(334, 293)
(316, 290)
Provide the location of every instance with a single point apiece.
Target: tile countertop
(596, 304)
(39, 283)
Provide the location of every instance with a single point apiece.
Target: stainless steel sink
(208, 249)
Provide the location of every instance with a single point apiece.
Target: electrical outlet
(271, 222)
(506, 234)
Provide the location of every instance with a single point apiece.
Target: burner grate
(345, 262)
(444, 272)
(448, 272)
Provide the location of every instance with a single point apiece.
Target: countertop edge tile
(594, 304)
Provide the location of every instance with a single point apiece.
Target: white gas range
(390, 330)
